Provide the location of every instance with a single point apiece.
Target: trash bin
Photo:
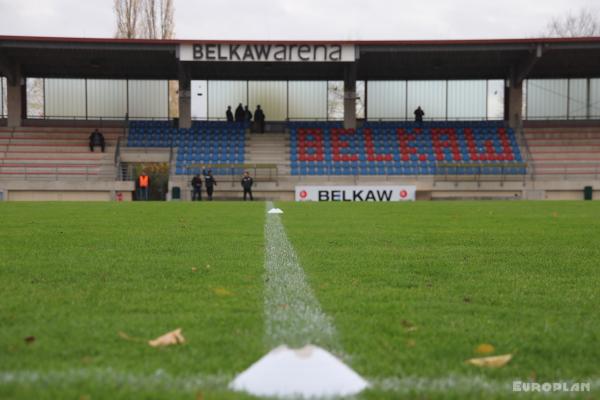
(588, 192)
(176, 193)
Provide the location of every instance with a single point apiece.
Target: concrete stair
(269, 148)
(54, 153)
(569, 151)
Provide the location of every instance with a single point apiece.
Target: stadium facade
(504, 118)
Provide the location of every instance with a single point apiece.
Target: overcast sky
(301, 19)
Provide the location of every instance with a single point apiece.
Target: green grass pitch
(411, 288)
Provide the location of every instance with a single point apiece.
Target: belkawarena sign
(267, 52)
(355, 193)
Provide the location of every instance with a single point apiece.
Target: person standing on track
(247, 185)
(197, 188)
(144, 184)
(210, 183)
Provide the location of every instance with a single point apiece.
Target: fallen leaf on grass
(222, 292)
(168, 339)
(492, 362)
(485, 348)
(30, 339)
(411, 343)
(194, 269)
(408, 326)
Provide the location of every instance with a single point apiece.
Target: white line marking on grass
(161, 380)
(108, 377)
(295, 327)
(293, 315)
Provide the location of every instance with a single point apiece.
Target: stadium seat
(402, 147)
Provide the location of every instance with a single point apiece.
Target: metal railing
(118, 118)
(171, 157)
(233, 172)
(569, 173)
(481, 172)
(411, 118)
(450, 172)
(558, 118)
(54, 174)
(117, 160)
(524, 144)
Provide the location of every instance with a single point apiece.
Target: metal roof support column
(185, 96)
(514, 87)
(350, 96)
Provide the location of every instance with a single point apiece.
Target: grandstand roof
(427, 59)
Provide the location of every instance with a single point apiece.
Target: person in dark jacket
(259, 119)
(247, 114)
(196, 188)
(229, 114)
(419, 113)
(97, 139)
(240, 115)
(247, 185)
(210, 183)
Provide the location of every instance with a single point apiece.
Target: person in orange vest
(144, 184)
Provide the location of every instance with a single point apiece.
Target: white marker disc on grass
(309, 372)
(275, 211)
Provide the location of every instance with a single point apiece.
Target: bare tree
(585, 23)
(159, 24)
(335, 99)
(35, 97)
(167, 11)
(127, 13)
(158, 19)
(149, 19)
(149, 24)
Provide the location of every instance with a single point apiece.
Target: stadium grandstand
(504, 119)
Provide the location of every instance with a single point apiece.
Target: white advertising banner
(267, 52)
(355, 193)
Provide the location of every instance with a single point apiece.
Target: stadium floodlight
(309, 372)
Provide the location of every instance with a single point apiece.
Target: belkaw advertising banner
(355, 193)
